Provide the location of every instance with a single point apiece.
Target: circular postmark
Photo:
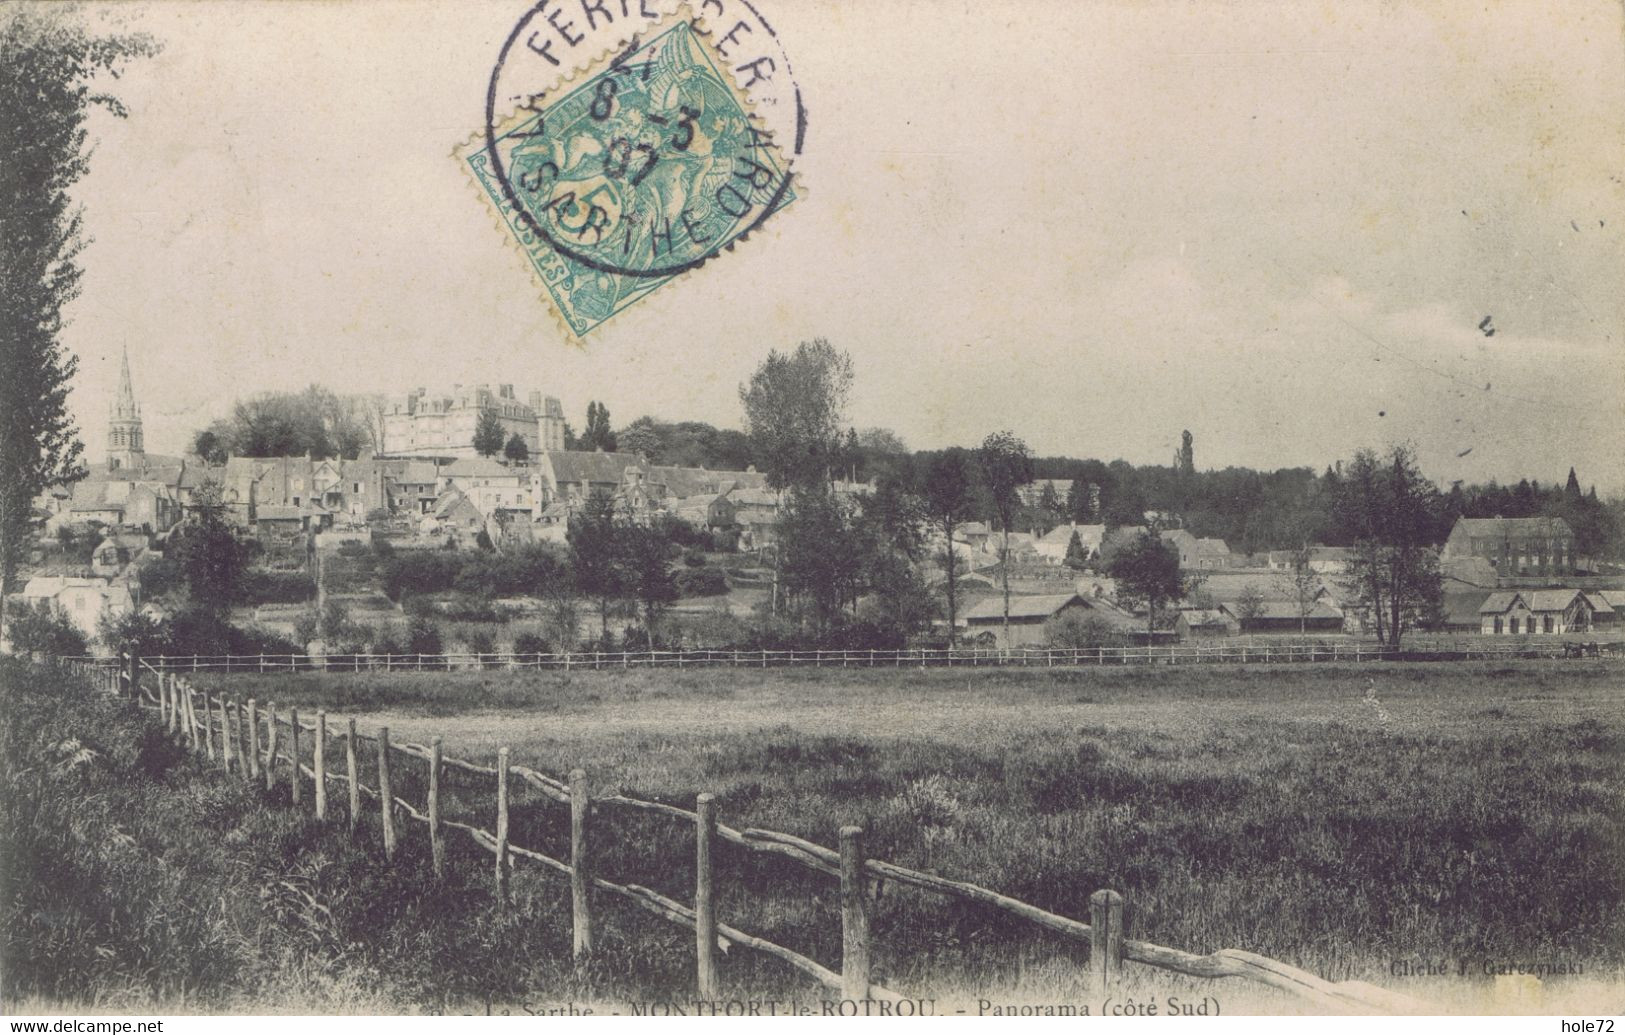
(657, 157)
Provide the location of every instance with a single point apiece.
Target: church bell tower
(124, 446)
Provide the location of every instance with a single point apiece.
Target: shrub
(44, 627)
(305, 627)
(134, 634)
(480, 643)
(1071, 630)
(277, 587)
(531, 643)
(422, 637)
(702, 582)
(694, 558)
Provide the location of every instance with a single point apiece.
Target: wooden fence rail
(175, 698)
(1249, 651)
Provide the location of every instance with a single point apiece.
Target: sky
(1278, 225)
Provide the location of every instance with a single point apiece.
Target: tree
(488, 438)
(598, 436)
(1249, 606)
(1187, 454)
(822, 555)
(1389, 512)
(1305, 586)
(48, 62)
(516, 451)
(949, 499)
(648, 558)
(641, 437)
(598, 557)
(132, 633)
(1048, 511)
(208, 446)
(1006, 465)
(1147, 572)
(42, 626)
(210, 557)
(795, 406)
(1080, 506)
(1077, 556)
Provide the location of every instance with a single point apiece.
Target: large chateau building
(441, 424)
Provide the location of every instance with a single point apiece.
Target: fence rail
(1257, 652)
(201, 719)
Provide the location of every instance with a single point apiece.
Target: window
(357, 489)
(1497, 626)
(1514, 625)
(1548, 623)
(296, 501)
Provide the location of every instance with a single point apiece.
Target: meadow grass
(1336, 818)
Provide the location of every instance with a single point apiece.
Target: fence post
(1105, 938)
(253, 740)
(237, 741)
(293, 749)
(270, 745)
(705, 909)
(208, 724)
(386, 796)
(854, 917)
(318, 764)
(437, 847)
(225, 735)
(581, 919)
(502, 827)
(353, 772)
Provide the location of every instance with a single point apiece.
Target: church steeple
(124, 444)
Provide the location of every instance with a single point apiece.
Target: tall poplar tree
(50, 64)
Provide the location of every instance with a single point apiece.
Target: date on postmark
(625, 177)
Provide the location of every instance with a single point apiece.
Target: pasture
(1343, 819)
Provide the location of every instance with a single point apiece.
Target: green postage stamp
(625, 177)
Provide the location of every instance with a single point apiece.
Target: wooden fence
(1255, 652)
(268, 746)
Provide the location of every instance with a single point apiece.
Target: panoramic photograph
(807, 508)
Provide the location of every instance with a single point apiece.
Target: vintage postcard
(812, 508)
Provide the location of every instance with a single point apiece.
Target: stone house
(1516, 546)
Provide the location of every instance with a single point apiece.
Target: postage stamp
(642, 168)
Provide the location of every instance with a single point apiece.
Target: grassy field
(1336, 818)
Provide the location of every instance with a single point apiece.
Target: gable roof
(1283, 609)
(574, 465)
(480, 467)
(1212, 547)
(1498, 526)
(1040, 605)
(1498, 603)
(1551, 599)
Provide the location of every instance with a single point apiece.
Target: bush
(1071, 630)
(423, 637)
(480, 643)
(702, 582)
(531, 643)
(44, 627)
(134, 634)
(694, 558)
(277, 587)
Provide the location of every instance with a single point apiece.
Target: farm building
(1281, 616)
(1197, 623)
(1535, 612)
(1028, 615)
